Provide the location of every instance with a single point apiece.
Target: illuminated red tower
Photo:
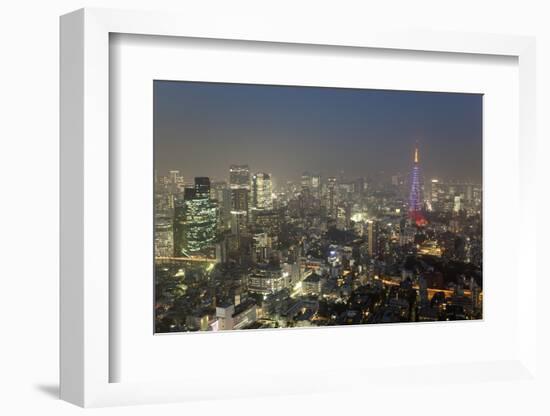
(415, 197)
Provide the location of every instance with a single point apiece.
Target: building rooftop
(313, 278)
(243, 306)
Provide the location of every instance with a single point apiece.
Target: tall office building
(316, 185)
(174, 176)
(202, 187)
(200, 214)
(312, 182)
(180, 232)
(331, 197)
(164, 237)
(239, 200)
(343, 216)
(372, 238)
(262, 190)
(201, 224)
(221, 193)
(239, 210)
(306, 180)
(176, 182)
(239, 177)
(435, 197)
(457, 204)
(239, 182)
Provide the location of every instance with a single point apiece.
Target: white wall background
(29, 189)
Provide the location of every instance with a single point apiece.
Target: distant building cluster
(248, 252)
(454, 196)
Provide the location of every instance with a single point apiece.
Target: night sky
(202, 128)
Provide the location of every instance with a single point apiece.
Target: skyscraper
(239, 210)
(332, 197)
(262, 190)
(415, 197)
(239, 200)
(202, 187)
(221, 193)
(239, 182)
(201, 217)
(316, 185)
(239, 177)
(372, 238)
(434, 195)
(164, 237)
(176, 182)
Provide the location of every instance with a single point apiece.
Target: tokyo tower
(415, 197)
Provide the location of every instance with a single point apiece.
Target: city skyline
(288, 130)
(271, 210)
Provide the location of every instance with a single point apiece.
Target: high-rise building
(316, 185)
(221, 193)
(262, 248)
(435, 197)
(164, 237)
(180, 235)
(306, 180)
(262, 190)
(239, 200)
(201, 224)
(360, 186)
(202, 187)
(457, 204)
(372, 238)
(311, 184)
(200, 218)
(239, 177)
(343, 216)
(239, 210)
(176, 182)
(332, 197)
(415, 196)
(239, 182)
(174, 176)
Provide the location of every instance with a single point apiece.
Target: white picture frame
(86, 355)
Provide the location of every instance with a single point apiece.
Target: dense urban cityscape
(243, 253)
(289, 207)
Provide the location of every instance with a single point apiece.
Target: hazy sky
(202, 128)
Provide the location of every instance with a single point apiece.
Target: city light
(296, 231)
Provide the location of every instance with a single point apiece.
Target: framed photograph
(276, 207)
